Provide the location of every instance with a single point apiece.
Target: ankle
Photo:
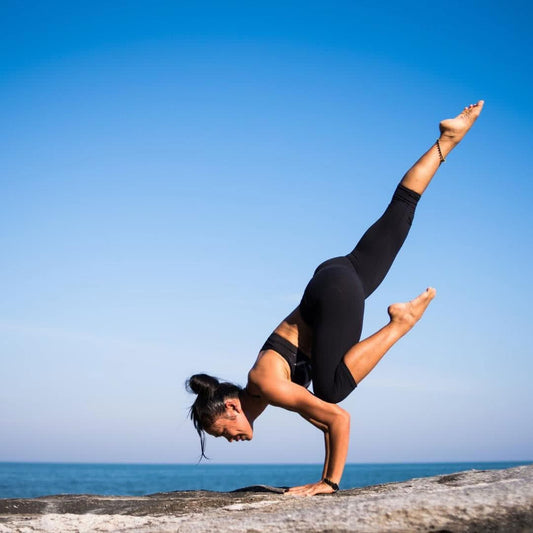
(397, 328)
(447, 144)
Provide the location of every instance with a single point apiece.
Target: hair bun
(203, 385)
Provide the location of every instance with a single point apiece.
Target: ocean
(29, 480)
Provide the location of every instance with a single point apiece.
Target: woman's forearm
(325, 430)
(326, 458)
(337, 442)
(328, 417)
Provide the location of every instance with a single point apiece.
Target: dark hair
(209, 403)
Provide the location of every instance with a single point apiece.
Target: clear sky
(171, 173)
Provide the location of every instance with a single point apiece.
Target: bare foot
(454, 129)
(408, 314)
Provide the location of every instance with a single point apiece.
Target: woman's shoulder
(269, 367)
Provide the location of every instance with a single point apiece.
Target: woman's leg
(362, 357)
(333, 305)
(452, 131)
(333, 302)
(378, 247)
(375, 252)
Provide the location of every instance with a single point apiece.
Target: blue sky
(173, 172)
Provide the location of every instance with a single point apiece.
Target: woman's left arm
(334, 421)
(324, 430)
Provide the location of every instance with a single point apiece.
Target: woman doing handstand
(320, 340)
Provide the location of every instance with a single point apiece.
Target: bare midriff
(269, 363)
(296, 331)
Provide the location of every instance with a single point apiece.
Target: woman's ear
(233, 405)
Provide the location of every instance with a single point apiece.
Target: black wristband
(334, 486)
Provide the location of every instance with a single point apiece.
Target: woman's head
(217, 410)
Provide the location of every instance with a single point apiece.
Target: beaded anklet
(442, 158)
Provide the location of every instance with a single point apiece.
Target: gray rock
(473, 501)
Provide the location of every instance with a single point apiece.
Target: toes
(428, 294)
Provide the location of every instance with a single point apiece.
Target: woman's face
(233, 425)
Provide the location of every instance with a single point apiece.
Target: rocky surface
(473, 501)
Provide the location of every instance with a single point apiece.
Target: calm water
(28, 480)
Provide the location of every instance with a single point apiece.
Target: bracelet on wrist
(334, 486)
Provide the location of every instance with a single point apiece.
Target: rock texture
(473, 501)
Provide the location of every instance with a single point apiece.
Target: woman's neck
(252, 405)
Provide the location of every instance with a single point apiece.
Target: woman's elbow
(342, 418)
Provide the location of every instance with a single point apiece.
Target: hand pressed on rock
(311, 489)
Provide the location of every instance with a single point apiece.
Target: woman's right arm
(333, 420)
(324, 430)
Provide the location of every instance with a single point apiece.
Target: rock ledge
(472, 501)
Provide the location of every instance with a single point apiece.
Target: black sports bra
(300, 365)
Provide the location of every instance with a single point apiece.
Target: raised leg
(365, 355)
(452, 131)
(375, 252)
(340, 360)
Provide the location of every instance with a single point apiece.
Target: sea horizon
(22, 479)
(210, 462)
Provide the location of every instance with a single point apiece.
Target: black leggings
(334, 300)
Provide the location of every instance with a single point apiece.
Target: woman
(320, 340)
